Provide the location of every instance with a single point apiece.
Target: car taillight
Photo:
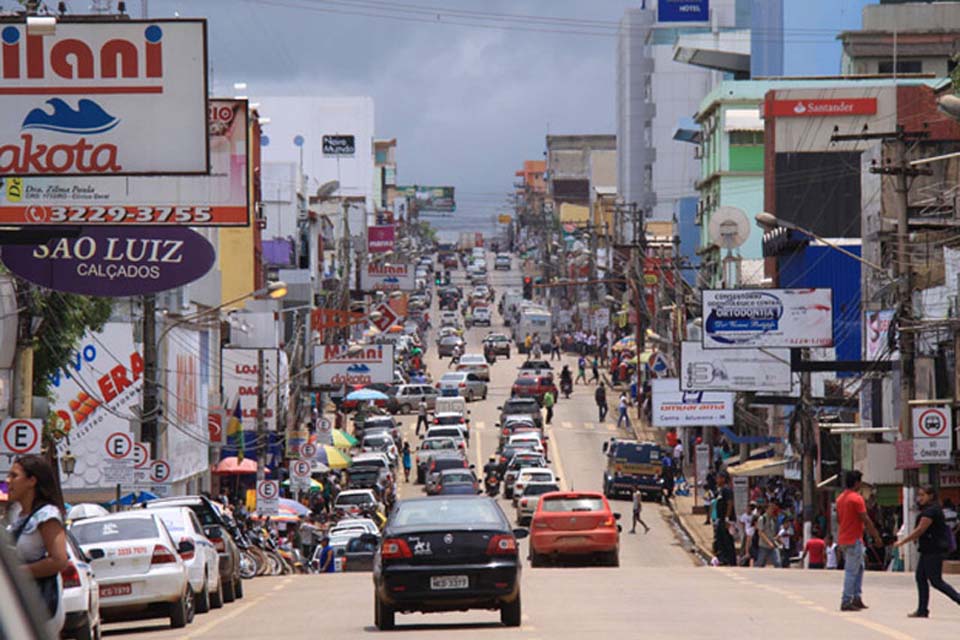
(162, 555)
(219, 545)
(186, 555)
(502, 545)
(523, 502)
(70, 576)
(609, 522)
(503, 459)
(462, 385)
(436, 421)
(395, 548)
(506, 432)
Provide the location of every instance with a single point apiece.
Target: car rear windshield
(115, 530)
(449, 420)
(449, 463)
(521, 406)
(539, 489)
(525, 382)
(376, 463)
(573, 503)
(440, 512)
(445, 443)
(357, 498)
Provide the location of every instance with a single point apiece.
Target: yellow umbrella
(333, 457)
(343, 440)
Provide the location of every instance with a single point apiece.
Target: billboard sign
(763, 370)
(683, 11)
(932, 434)
(186, 370)
(388, 277)
(675, 408)
(218, 199)
(114, 262)
(339, 145)
(380, 239)
(738, 318)
(335, 365)
(831, 107)
(112, 97)
(876, 337)
(240, 380)
(440, 199)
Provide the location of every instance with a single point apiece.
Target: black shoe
(919, 614)
(858, 603)
(849, 606)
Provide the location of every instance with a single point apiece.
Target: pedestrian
(548, 405)
(637, 509)
(527, 344)
(622, 408)
(769, 544)
(595, 370)
(678, 454)
(600, 397)
(422, 415)
(581, 370)
(327, 562)
(853, 519)
(723, 547)
(816, 549)
(406, 461)
(556, 347)
(831, 548)
(36, 526)
(536, 351)
(932, 532)
(668, 473)
(785, 536)
(747, 524)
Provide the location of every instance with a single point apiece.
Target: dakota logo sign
(107, 98)
(824, 107)
(335, 365)
(388, 277)
(114, 261)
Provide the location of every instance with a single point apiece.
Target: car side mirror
(186, 546)
(616, 516)
(473, 466)
(96, 554)
(520, 534)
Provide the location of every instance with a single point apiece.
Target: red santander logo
(823, 107)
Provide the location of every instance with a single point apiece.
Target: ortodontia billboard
(430, 198)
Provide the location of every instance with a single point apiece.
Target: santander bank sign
(104, 98)
(809, 108)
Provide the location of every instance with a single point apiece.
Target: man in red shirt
(816, 548)
(852, 517)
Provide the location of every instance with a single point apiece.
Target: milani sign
(104, 98)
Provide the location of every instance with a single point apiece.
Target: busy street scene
(506, 319)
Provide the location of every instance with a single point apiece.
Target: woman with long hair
(36, 525)
(931, 529)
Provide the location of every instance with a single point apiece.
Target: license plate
(572, 540)
(113, 590)
(449, 582)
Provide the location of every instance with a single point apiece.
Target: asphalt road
(659, 591)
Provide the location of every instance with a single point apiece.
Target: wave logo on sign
(744, 316)
(88, 118)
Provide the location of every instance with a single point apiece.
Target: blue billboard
(683, 11)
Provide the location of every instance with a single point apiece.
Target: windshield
(440, 512)
(539, 489)
(356, 498)
(115, 530)
(582, 503)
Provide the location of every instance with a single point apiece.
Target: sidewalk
(693, 524)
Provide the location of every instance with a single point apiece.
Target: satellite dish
(327, 189)
(729, 227)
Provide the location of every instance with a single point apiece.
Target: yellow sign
(650, 279)
(14, 189)
(504, 219)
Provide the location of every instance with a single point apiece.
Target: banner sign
(334, 365)
(877, 335)
(185, 354)
(440, 199)
(766, 370)
(112, 97)
(932, 434)
(218, 199)
(339, 145)
(388, 277)
(683, 11)
(736, 318)
(675, 408)
(240, 380)
(380, 239)
(821, 108)
(114, 262)
(388, 317)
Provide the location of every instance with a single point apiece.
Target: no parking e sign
(20, 436)
(932, 434)
(268, 497)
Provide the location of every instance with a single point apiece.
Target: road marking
(197, 632)
(557, 460)
(611, 427)
(567, 425)
(480, 425)
(589, 426)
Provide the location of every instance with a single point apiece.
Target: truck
(630, 464)
(467, 240)
(510, 305)
(447, 241)
(534, 321)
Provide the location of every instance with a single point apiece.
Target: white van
(451, 404)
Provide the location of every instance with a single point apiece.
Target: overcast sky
(467, 104)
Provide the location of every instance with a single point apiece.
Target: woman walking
(931, 529)
(36, 527)
(406, 461)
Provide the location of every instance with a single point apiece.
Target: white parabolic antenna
(729, 227)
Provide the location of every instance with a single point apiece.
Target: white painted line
(589, 426)
(567, 425)
(556, 459)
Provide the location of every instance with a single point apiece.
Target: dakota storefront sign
(219, 199)
(387, 277)
(114, 261)
(104, 98)
(335, 365)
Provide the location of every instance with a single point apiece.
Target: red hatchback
(574, 523)
(534, 387)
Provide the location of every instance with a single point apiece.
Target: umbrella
(333, 457)
(343, 440)
(315, 485)
(230, 467)
(629, 343)
(283, 517)
(86, 510)
(366, 394)
(293, 506)
(134, 497)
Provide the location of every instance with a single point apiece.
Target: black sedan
(448, 553)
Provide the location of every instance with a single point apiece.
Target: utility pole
(149, 416)
(261, 421)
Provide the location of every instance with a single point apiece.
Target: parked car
(502, 262)
(520, 460)
(138, 565)
(457, 432)
(475, 363)
(458, 383)
(202, 563)
(375, 423)
(406, 397)
(521, 406)
(430, 447)
(356, 501)
(81, 595)
(534, 387)
(574, 523)
(221, 531)
(500, 342)
(457, 482)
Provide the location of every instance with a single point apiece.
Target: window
(746, 138)
(903, 66)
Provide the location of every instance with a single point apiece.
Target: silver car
(527, 505)
(462, 383)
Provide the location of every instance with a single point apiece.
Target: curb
(695, 548)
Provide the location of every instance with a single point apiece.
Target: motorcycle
(493, 486)
(566, 388)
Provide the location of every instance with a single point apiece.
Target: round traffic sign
(308, 450)
(300, 469)
(141, 456)
(21, 437)
(268, 489)
(159, 471)
(325, 425)
(932, 423)
(119, 445)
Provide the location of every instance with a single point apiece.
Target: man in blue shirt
(327, 562)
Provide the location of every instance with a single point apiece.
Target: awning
(743, 120)
(756, 468)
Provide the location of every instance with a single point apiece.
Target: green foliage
(64, 319)
(955, 74)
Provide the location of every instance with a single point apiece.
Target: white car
(458, 433)
(534, 438)
(203, 565)
(482, 316)
(527, 505)
(530, 475)
(461, 383)
(360, 525)
(138, 566)
(356, 501)
(449, 319)
(81, 595)
(475, 363)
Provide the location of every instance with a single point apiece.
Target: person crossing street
(600, 397)
(548, 401)
(422, 415)
(637, 510)
(581, 370)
